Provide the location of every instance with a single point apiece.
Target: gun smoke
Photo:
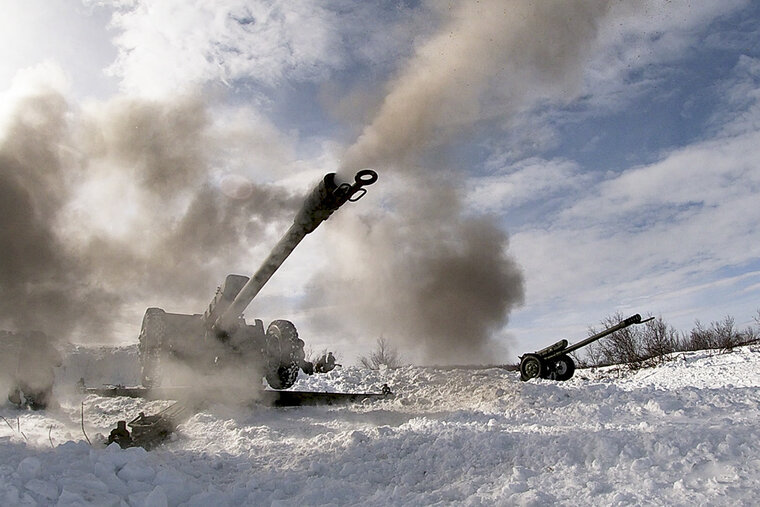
(106, 211)
(117, 206)
(447, 283)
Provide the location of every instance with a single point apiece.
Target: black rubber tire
(564, 368)
(283, 345)
(284, 377)
(531, 366)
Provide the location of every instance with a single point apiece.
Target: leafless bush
(383, 355)
(751, 335)
(658, 341)
(652, 343)
(699, 338)
(721, 335)
(634, 346)
(727, 336)
(655, 342)
(621, 347)
(581, 359)
(591, 355)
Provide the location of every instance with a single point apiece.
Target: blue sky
(616, 144)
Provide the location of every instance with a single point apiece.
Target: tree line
(651, 343)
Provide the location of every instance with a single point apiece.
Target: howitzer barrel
(633, 319)
(554, 363)
(329, 195)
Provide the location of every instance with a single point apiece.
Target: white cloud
(676, 237)
(693, 210)
(41, 79)
(170, 44)
(637, 47)
(531, 181)
(660, 235)
(643, 37)
(741, 91)
(59, 32)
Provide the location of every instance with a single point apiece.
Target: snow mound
(684, 433)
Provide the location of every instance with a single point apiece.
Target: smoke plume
(114, 207)
(517, 51)
(427, 276)
(118, 205)
(434, 278)
(40, 286)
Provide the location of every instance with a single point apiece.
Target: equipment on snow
(148, 431)
(27, 367)
(325, 363)
(275, 398)
(175, 345)
(554, 361)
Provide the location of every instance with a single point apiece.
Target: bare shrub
(581, 360)
(750, 335)
(383, 355)
(592, 354)
(721, 335)
(623, 346)
(658, 341)
(727, 336)
(653, 342)
(634, 346)
(700, 338)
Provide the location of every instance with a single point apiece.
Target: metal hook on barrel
(362, 179)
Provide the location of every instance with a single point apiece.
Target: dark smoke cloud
(511, 52)
(164, 146)
(41, 286)
(213, 233)
(166, 234)
(116, 205)
(447, 284)
(427, 277)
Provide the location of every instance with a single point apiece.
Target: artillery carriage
(176, 347)
(554, 362)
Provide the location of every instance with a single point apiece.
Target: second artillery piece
(554, 362)
(177, 347)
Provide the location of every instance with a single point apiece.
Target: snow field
(681, 434)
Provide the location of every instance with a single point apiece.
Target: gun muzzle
(329, 195)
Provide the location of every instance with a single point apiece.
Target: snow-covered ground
(685, 433)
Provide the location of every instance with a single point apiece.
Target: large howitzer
(554, 362)
(174, 348)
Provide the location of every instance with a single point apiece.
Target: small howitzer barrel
(553, 362)
(329, 195)
(633, 319)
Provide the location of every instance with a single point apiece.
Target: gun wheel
(564, 368)
(284, 377)
(284, 348)
(531, 366)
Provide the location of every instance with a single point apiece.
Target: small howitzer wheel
(554, 361)
(563, 368)
(531, 366)
(285, 351)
